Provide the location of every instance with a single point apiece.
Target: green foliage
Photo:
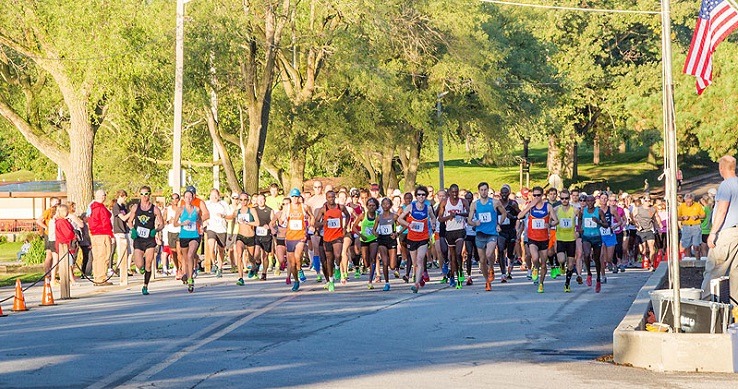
(37, 254)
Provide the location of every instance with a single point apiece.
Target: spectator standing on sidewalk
(722, 257)
(101, 233)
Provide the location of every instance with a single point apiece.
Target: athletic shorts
(647, 235)
(704, 238)
(483, 240)
(541, 245)
(280, 241)
(166, 250)
(49, 244)
(185, 242)
(568, 248)
(144, 244)
(220, 237)
(265, 242)
(367, 244)
(630, 232)
(292, 245)
(509, 235)
(328, 246)
(691, 235)
(414, 245)
(453, 236)
(387, 241)
(248, 241)
(609, 240)
(594, 241)
(173, 239)
(470, 238)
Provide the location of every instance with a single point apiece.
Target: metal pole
(178, 80)
(671, 161)
(440, 141)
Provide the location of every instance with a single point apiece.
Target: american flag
(716, 21)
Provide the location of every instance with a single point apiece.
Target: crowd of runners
(358, 235)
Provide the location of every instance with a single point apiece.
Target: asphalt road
(262, 335)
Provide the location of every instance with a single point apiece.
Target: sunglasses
(420, 194)
(317, 187)
(244, 199)
(564, 198)
(145, 193)
(537, 195)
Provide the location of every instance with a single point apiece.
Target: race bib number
(261, 231)
(295, 225)
(504, 221)
(384, 230)
(334, 223)
(566, 223)
(590, 223)
(485, 217)
(143, 232)
(369, 231)
(417, 226)
(190, 227)
(538, 224)
(605, 231)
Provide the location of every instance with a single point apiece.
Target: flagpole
(670, 153)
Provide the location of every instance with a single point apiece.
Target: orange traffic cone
(48, 297)
(19, 302)
(1, 312)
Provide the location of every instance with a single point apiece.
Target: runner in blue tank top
(483, 214)
(591, 219)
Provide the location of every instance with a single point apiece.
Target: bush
(31, 236)
(3, 239)
(37, 254)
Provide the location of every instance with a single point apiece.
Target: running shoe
(111, 272)
(179, 275)
(503, 279)
(422, 282)
(145, 291)
(397, 274)
(452, 282)
(194, 273)
(567, 289)
(589, 280)
(343, 280)
(540, 288)
(240, 282)
(406, 279)
(331, 287)
(319, 278)
(444, 280)
(277, 272)
(283, 266)
(615, 270)
(444, 269)
(535, 274)
(386, 287)
(357, 275)
(604, 280)
(554, 272)
(370, 286)
(414, 288)
(492, 275)
(622, 268)
(288, 280)
(530, 274)
(461, 277)
(301, 275)
(377, 280)
(598, 287)
(250, 274)
(469, 281)
(579, 280)
(509, 276)
(218, 274)
(295, 286)
(363, 270)
(263, 277)
(459, 285)
(402, 264)
(214, 269)
(190, 285)
(337, 273)
(488, 287)
(426, 278)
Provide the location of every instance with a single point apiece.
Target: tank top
(332, 228)
(265, 217)
(607, 231)
(144, 222)
(590, 227)
(456, 223)
(418, 219)
(618, 229)
(565, 228)
(487, 216)
(386, 224)
(507, 223)
(170, 220)
(189, 231)
(357, 210)
(537, 220)
(295, 223)
(367, 228)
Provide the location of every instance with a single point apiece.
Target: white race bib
(417, 226)
(538, 224)
(605, 231)
(369, 231)
(485, 217)
(295, 225)
(142, 232)
(505, 221)
(384, 230)
(566, 223)
(190, 227)
(261, 231)
(590, 223)
(334, 223)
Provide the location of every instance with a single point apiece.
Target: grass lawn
(21, 175)
(9, 279)
(8, 251)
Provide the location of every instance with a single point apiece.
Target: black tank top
(265, 215)
(144, 222)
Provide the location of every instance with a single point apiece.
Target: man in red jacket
(101, 233)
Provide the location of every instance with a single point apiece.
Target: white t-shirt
(217, 223)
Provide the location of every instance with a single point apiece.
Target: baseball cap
(191, 189)
(234, 195)
(624, 195)
(374, 187)
(397, 193)
(294, 192)
(354, 192)
(524, 191)
(506, 186)
(712, 191)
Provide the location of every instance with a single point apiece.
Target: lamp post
(440, 139)
(178, 82)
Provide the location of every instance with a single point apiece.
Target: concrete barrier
(634, 346)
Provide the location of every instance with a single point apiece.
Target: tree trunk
(388, 155)
(553, 160)
(567, 170)
(575, 162)
(596, 150)
(297, 172)
(413, 160)
(222, 151)
(621, 147)
(78, 169)
(254, 148)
